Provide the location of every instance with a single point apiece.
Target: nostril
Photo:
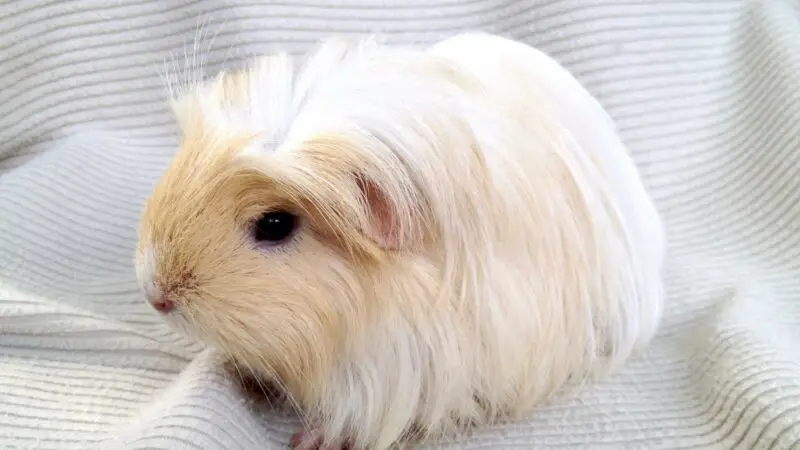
(163, 306)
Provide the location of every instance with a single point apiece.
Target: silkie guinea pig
(408, 241)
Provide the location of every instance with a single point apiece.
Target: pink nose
(162, 306)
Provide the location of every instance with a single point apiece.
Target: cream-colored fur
(473, 233)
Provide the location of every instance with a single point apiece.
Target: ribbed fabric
(706, 94)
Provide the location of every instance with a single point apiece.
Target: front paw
(314, 440)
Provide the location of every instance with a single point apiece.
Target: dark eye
(274, 227)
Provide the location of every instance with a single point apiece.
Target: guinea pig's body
(466, 234)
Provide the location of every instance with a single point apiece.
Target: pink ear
(384, 227)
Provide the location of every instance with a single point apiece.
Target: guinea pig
(409, 241)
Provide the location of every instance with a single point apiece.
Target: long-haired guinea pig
(408, 241)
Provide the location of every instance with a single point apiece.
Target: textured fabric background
(707, 96)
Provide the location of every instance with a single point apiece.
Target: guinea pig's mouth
(184, 324)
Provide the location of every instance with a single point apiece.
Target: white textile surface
(706, 94)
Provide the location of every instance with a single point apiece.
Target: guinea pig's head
(270, 252)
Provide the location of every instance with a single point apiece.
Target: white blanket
(707, 96)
